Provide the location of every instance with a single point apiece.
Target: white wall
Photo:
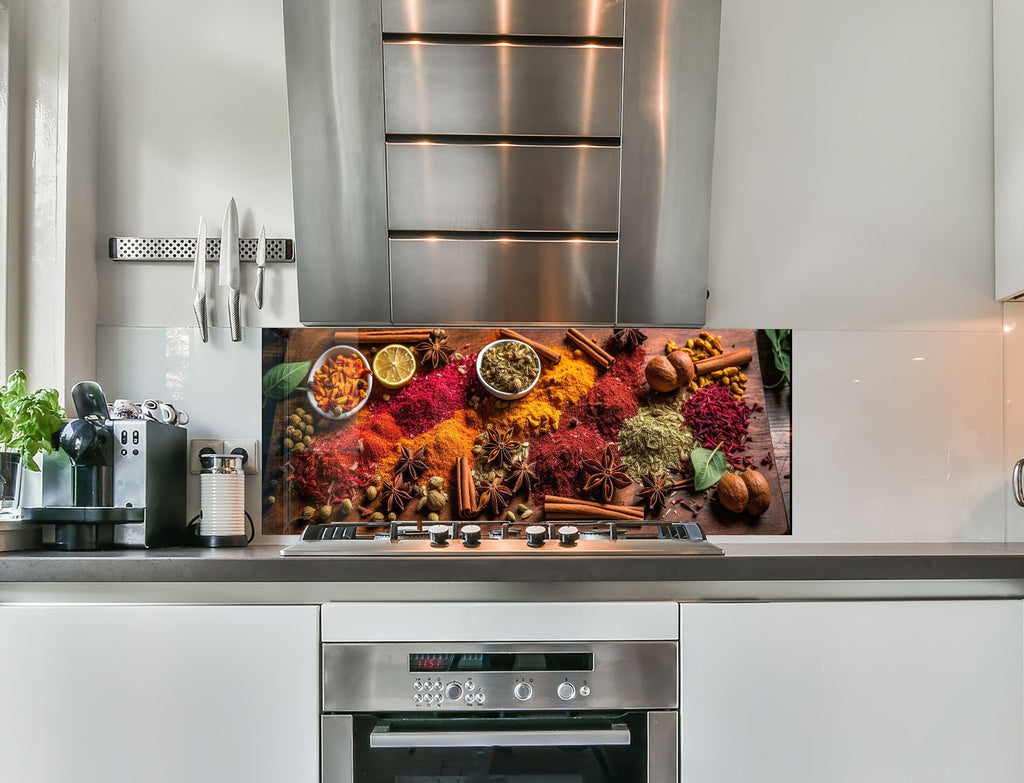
(852, 202)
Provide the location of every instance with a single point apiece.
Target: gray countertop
(742, 562)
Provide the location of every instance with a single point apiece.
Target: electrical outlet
(250, 449)
(198, 446)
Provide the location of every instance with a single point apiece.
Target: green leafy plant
(283, 379)
(28, 421)
(708, 467)
(782, 349)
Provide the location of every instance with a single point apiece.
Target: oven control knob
(535, 535)
(568, 535)
(584, 690)
(453, 692)
(522, 691)
(471, 535)
(438, 535)
(566, 691)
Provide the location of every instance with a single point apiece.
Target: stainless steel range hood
(517, 161)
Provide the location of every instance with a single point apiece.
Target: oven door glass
(500, 749)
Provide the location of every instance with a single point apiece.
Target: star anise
(435, 349)
(494, 494)
(630, 339)
(410, 465)
(394, 495)
(604, 477)
(499, 446)
(655, 491)
(520, 475)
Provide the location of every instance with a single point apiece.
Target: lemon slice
(394, 365)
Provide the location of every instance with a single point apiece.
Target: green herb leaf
(283, 379)
(781, 340)
(28, 422)
(708, 467)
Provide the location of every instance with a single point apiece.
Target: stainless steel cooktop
(456, 539)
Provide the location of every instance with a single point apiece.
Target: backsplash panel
(580, 417)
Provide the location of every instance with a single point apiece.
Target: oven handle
(383, 737)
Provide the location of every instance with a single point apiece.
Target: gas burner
(568, 538)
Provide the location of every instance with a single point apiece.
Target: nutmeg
(661, 375)
(683, 364)
(759, 496)
(732, 492)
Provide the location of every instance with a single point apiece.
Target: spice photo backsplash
(442, 423)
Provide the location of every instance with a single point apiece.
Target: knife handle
(234, 317)
(199, 306)
(258, 294)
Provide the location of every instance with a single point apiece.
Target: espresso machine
(117, 482)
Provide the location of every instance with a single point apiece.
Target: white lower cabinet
(159, 694)
(858, 692)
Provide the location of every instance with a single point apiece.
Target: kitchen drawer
(502, 187)
(507, 281)
(599, 18)
(502, 89)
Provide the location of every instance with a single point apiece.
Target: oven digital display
(502, 662)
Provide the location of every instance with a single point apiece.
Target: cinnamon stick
(383, 336)
(559, 500)
(584, 511)
(546, 354)
(722, 360)
(466, 495)
(596, 353)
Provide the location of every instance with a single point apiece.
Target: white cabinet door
(886, 692)
(161, 694)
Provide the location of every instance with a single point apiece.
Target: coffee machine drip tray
(89, 515)
(77, 528)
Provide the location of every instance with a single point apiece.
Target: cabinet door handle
(1018, 488)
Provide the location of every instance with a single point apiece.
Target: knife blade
(261, 262)
(229, 272)
(199, 281)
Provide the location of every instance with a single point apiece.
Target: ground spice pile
(331, 469)
(443, 444)
(559, 458)
(629, 365)
(431, 397)
(540, 411)
(654, 441)
(716, 417)
(379, 433)
(606, 406)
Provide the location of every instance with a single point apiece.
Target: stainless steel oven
(517, 712)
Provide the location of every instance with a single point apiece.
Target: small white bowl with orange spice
(340, 383)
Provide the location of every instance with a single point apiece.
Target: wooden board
(284, 516)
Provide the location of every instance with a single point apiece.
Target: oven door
(631, 747)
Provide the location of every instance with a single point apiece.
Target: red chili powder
(714, 416)
(608, 404)
(559, 457)
(331, 469)
(431, 397)
(379, 434)
(629, 366)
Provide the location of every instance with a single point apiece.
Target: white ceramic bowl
(330, 353)
(504, 395)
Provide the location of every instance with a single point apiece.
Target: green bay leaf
(708, 467)
(282, 379)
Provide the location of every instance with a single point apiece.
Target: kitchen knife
(199, 281)
(229, 274)
(261, 262)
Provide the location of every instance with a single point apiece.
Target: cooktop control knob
(535, 535)
(438, 535)
(566, 691)
(522, 691)
(453, 692)
(471, 535)
(568, 535)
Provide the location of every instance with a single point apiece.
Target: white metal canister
(222, 499)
